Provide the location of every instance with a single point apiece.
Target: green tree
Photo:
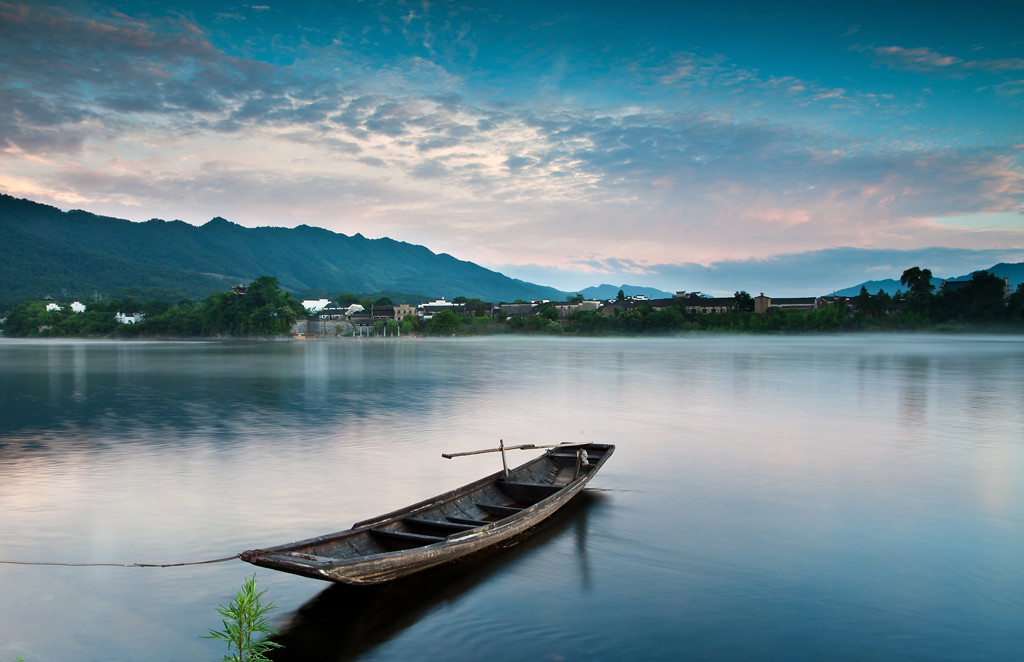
(980, 300)
(482, 325)
(863, 300)
(621, 296)
(744, 302)
(263, 310)
(918, 281)
(444, 323)
(987, 294)
(918, 301)
(346, 298)
(589, 322)
(1015, 305)
(575, 298)
(548, 312)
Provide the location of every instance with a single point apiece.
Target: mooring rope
(122, 565)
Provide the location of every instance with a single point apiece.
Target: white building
(125, 318)
(314, 306)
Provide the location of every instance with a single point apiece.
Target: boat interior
(461, 512)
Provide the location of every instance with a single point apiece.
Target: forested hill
(44, 250)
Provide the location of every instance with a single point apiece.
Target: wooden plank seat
(440, 527)
(591, 457)
(470, 522)
(525, 492)
(405, 539)
(499, 511)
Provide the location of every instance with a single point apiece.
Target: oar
(502, 448)
(521, 447)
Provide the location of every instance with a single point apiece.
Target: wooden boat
(446, 528)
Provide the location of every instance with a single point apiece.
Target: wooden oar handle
(521, 447)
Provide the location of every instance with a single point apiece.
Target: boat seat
(406, 539)
(525, 492)
(571, 457)
(469, 522)
(547, 487)
(447, 528)
(499, 511)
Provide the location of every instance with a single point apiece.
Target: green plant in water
(245, 620)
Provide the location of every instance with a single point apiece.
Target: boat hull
(449, 527)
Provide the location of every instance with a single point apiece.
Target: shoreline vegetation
(263, 310)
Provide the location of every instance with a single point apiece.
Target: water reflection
(914, 392)
(221, 389)
(830, 496)
(343, 622)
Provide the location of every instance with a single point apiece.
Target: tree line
(265, 310)
(978, 304)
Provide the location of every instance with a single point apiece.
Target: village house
(567, 308)
(429, 309)
(478, 309)
(382, 312)
(333, 312)
(763, 303)
(514, 309)
(314, 306)
(360, 318)
(694, 303)
(403, 309)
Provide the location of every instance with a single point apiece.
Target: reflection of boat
(448, 527)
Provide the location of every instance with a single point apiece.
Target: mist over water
(835, 497)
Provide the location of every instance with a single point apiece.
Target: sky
(789, 148)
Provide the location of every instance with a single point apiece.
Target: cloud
(705, 80)
(566, 153)
(925, 60)
(60, 71)
(915, 59)
(688, 160)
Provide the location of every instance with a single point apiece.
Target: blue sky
(789, 148)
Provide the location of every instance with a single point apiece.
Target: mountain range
(47, 251)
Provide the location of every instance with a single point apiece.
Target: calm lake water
(833, 497)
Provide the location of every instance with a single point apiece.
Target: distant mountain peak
(606, 291)
(45, 249)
